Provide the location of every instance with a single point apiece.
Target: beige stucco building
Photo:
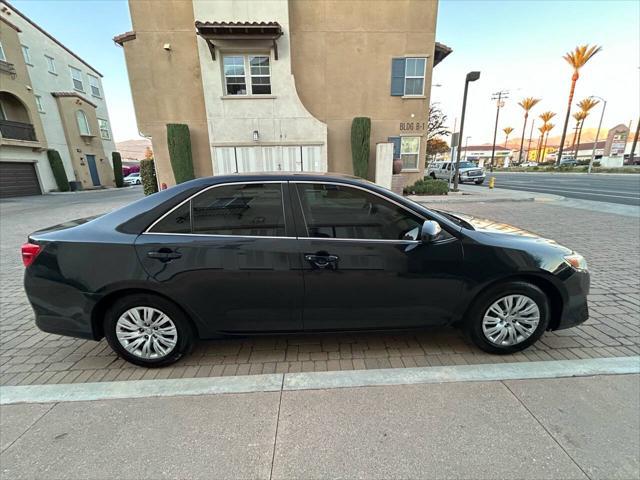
(275, 84)
(49, 99)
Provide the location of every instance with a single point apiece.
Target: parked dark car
(256, 254)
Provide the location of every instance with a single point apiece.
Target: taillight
(29, 253)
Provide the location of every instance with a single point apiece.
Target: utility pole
(635, 142)
(498, 96)
(595, 143)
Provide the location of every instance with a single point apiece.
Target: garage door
(286, 158)
(18, 179)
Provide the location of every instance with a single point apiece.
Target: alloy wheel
(510, 320)
(146, 332)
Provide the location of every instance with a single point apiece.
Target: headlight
(577, 261)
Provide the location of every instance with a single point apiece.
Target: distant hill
(133, 150)
(588, 135)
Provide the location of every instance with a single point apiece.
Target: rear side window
(178, 221)
(338, 211)
(249, 210)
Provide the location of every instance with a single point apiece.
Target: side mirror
(430, 231)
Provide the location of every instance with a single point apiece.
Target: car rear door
(363, 265)
(229, 256)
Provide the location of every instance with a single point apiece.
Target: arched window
(83, 123)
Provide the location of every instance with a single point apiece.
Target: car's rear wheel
(508, 317)
(148, 330)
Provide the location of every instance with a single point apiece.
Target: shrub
(360, 135)
(58, 170)
(117, 169)
(179, 141)
(148, 176)
(427, 186)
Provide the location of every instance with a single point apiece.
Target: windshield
(467, 165)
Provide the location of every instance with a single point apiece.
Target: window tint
(336, 211)
(253, 209)
(178, 221)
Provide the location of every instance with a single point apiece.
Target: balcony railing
(6, 67)
(17, 130)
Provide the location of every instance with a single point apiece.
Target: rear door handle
(164, 254)
(322, 261)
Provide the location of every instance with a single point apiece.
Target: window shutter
(396, 146)
(397, 77)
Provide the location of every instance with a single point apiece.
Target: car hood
(508, 233)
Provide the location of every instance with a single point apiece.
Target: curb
(318, 380)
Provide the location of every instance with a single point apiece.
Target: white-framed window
(94, 83)
(104, 129)
(409, 152)
(247, 74)
(3, 57)
(51, 64)
(39, 103)
(83, 123)
(76, 78)
(414, 71)
(26, 54)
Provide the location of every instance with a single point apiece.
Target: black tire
(185, 332)
(475, 315)
(432, 175)
(479, 182)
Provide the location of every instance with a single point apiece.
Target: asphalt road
(623, 189)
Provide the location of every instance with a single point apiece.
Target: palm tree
(579, 118)
(577, 59)
(542, 130)
(545, 117)
(548, 127)
(585, 105)
(527, 104)
(507, 131)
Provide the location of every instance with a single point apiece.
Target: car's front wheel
(508, 317)
(148, 330)
(480, 182)
(432, 175)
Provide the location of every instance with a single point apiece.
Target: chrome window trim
(364, 190)
(250, 182)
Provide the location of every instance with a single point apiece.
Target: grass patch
(427, 187)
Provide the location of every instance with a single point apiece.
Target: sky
(516, 45)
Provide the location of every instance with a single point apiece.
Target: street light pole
(498, 96)
(593, 152)
(471, 77)
(466, 146)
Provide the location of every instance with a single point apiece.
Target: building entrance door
(93, 170)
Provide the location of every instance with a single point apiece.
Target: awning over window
(216, 31)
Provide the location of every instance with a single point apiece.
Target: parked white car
(133, 179)
(469, 171)
(528, 164)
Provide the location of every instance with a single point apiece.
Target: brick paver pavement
(609, 242)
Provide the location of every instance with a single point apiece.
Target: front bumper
(465, 178)
(576, 309)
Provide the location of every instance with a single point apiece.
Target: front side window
(247, 75)
(76, 78)
(26, 54)
(51, 64)
(339, 211)
(83, 123)
(409, 152)
(104, 129)
(94, 83)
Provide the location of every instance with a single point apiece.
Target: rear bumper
(576, 308)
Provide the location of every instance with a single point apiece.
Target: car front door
(229, 256)
(364, 267)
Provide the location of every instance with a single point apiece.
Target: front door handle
(164, 255)
(322, 261)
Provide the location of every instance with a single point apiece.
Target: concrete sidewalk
(584, 427)
(476, 194)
